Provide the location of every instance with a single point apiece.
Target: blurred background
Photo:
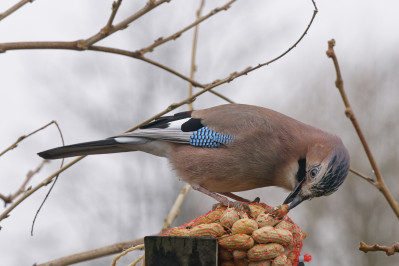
(106, 199)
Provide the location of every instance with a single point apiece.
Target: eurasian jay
(235, 147)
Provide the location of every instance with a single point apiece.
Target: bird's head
(321, 173)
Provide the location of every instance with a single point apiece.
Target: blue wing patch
(204, 137)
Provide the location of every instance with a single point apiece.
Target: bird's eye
(313, 172)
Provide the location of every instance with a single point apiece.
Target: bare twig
(115, 7)
(388, 250)
(193, 52)
(177, 34)
(29, 192)
(21, 138)
(175, 210)
(10, 198)
(95, 253)
(379, 183)
(367, 178)
(120, 247)
(14, 8)
(123, 24)
(137, 55)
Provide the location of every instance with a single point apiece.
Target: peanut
(229, 217)
(228, 263)
(281, 261)
(256, 210)
(281, 211)
(244, 226)
(239, 254)
(178, 232)
(263, 252)
(266, 219)
(237, 241)
(242, 262)
(269, 234)
(225, 254)
(212, 229)
(260, 263)
(284, 225)
(211, 217)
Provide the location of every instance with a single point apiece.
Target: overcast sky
(111, 198)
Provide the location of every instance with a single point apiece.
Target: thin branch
(388, 250)
(21, 138)
(367, 178)
(95, 253)
(177, 34)
(250, 69)
(339, 83)
(123, 24)
(10, 198)
(175, 210)
(193, 52)
(115, 7)
(137, 55)
(32, 190)
(120, 247)
(14, 8)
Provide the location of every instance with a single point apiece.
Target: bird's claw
(237, 205)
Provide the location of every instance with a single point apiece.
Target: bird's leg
(238, 198)
(223, 200)
(234, 196)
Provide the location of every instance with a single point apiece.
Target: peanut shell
(256, 210)
(242, 262)
(244, 226)
(237, 241)
(229, 217)
(212, 229)
(239, 254)
(269, 234)
(262, 252)
(225, 254)
(266, 219)
(178, 232)
(260, 263)
(281, 261)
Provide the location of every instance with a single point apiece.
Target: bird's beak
(295, 196)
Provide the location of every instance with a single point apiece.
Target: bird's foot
(237, 205)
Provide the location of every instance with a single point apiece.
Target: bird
(235, 147)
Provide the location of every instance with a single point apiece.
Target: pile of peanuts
(264, 236)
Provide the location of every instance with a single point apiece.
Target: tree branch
(177, 34)
(10, 198)
(379, 183)
(95, 253)
(388, 250)
(21, 138)
(103, 33)
(115, 7)
(14, 8)
(367, 178)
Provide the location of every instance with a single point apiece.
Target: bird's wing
(179, 128)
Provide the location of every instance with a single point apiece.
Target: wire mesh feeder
(263, 236)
